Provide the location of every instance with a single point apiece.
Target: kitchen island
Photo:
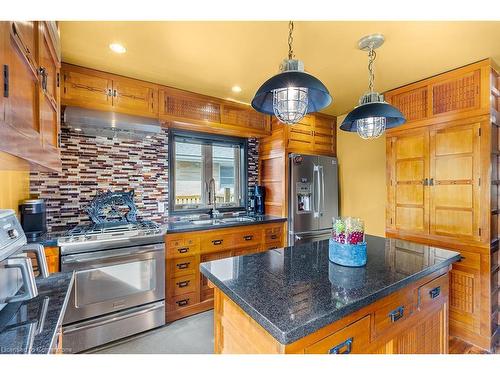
(294, 300)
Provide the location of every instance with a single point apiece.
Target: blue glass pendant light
(373, 114)
(293, 93)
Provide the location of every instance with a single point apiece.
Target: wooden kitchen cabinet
(89, 88)
(443, 186)
(29, 126)
(188, 291)
(191, 111)
(49, 84)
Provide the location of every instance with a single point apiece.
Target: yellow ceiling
(211, 57)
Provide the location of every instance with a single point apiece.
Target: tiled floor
(195, 335)
(192, 335)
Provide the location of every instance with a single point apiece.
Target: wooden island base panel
(421, 329)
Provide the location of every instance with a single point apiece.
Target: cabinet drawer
(183, 285)
(182, 251)
(182, 301)
(273, 234)
(434, 291)
(248, 238)
(469, 260)
(248, 250)
(351, 339)
(216, 242)
(396, 310)
(181, 267)
(272, 245)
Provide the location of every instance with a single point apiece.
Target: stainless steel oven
(116, 293)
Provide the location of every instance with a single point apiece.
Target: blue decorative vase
(346, 254)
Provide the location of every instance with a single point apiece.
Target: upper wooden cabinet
(314, 134)
(29, 127)
(460, 93)
(182, 109)
(93, 89)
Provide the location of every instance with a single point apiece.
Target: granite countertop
(295, 291)
(31, 327)
(186, 226)
(47, 239)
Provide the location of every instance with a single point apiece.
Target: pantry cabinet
(434, 176)
(29, 124)
(89, 88)
(188, 291)
(442, 186)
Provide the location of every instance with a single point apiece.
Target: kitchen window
(196, 158)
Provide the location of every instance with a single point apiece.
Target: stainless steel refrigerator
(313, 197)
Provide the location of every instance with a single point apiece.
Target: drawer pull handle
(183, 302)
(248, 238)
(434, 293)
(217, 242)
(273, 237)
(183, 250)
(183, 266)
(337, 349)
(273, 248)
(183, 284)
(397, 314)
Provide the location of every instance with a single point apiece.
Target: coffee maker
(257, 195)
(33, 218)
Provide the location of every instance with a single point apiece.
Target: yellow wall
(362, 179)
(14, 181)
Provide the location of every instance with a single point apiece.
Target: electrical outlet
(161, 207)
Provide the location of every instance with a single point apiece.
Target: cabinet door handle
(110, 92)
(183, 266)
(347, 344)
(431, 182)
(273, 237)
(183, 284)
(182, 302)
(217, 242)
(397, 314)
(183, 250)
(115, 93)
(434, 293)
(425, 182)
(248, 238)
(43, 73)
(5, 81)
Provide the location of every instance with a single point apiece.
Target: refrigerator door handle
(322, 187)
(316, 190)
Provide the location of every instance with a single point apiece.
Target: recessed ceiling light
(77, 129)
(117, 47)
(236, 88)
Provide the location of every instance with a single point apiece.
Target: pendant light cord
(371, 62)
(290, 40)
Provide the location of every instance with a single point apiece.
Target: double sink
(227, 220)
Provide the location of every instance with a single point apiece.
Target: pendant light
(293, 93)
(373, 115)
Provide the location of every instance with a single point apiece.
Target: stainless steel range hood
(110, 124)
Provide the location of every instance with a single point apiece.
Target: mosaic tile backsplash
(91, 164)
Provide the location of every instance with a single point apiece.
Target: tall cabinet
(442, 186)
(29, 105)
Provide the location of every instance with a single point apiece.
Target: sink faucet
(212, 201)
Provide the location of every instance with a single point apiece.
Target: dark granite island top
(31, 327)
(295, 291)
